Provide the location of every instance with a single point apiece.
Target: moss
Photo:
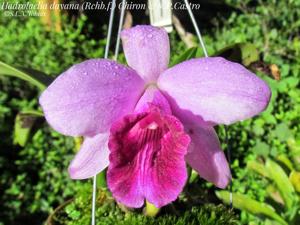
(109, 213)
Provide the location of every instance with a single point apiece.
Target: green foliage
(24, 123)
(32, 46)
(285, 187)
(273, 28)
(244, 53)
(36, 78)
(35, 179)
(245, 203)
(186, 55)
(108, 213)
(295, 180)
(33, 158)
(281, 190)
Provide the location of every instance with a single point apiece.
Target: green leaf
(34, 77)
(188, 54)
(285, 187)
(282, 132)
(286, 161)
(23, 125)
(261, 148)
(193, 176)
(101, 179)
(245, 53)
(294, 147)
(274, 194)
(258, 168)
(250, 53)
(295, 180)
(243, 202)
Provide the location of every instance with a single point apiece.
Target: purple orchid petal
(154, 96)
(147, 159)
(147, 50)
(205, 154)
(91, 159)
(88, 97)
(218, 90)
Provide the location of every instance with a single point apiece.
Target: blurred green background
(263, 35)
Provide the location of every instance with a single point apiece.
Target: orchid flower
(146, 122)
